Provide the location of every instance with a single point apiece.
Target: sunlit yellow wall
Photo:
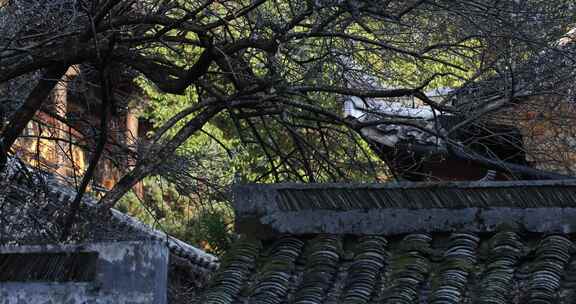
(548, 127)
(41, 148)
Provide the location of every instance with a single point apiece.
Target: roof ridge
(266, 211)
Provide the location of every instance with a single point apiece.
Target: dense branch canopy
(276, 73)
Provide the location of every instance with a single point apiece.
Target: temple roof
(523, 257)
(547, 73)
(551, 72)
(32, 213)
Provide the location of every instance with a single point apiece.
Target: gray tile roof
(31, 212)
(431, 263)
(550, 72)
(502, 267)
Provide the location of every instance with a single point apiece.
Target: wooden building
(519, 124)
(63, 134)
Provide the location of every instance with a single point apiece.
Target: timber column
(131, 140)
(60, 102)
